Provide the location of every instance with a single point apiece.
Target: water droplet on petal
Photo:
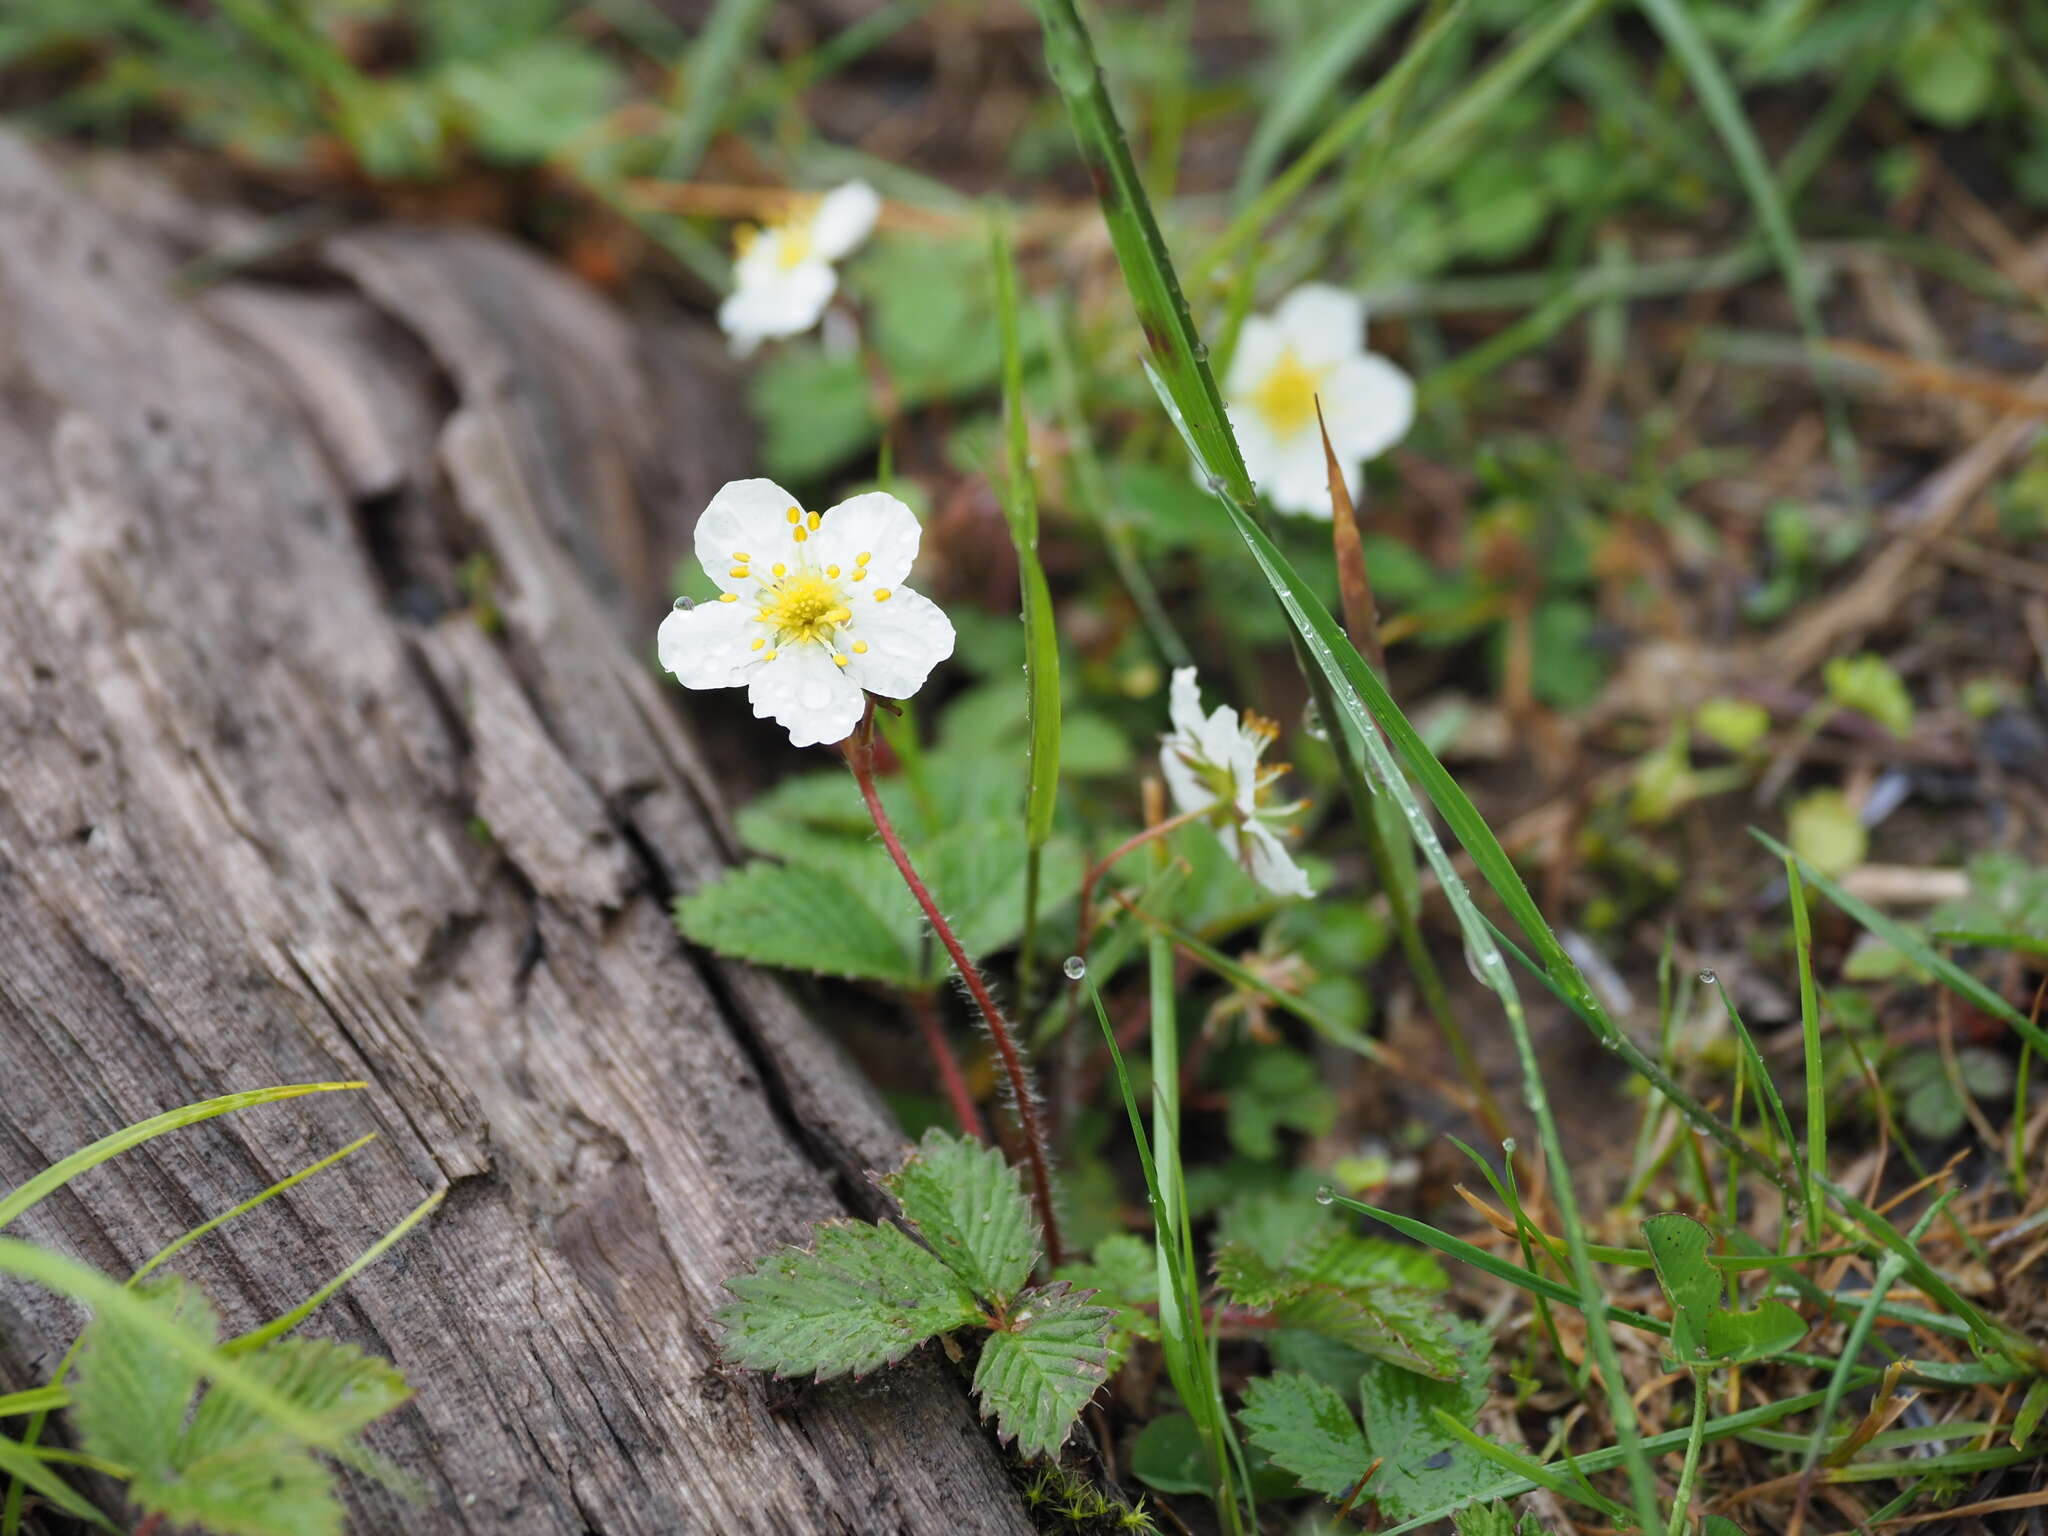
(685, 604)
(1075, 967)
(1325, 1195)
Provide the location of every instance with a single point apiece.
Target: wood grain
(279, 801)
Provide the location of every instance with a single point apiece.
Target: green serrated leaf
(967, 1202)
(130, 1392)
(806, 920)
(1400, 1324)
(1421, 1466)
(1037, 1374)
(1123, 1273)
(861, 1298)
(1306, 1428)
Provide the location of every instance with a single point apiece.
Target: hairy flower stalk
(860, 757)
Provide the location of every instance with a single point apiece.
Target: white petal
(746, 517)
(1323, 324)
(1182, 782)
(876, 525)
(1369, 404)
(1184, 707)
(1221, 738)
(707, 646)
(1259, 345)
(843, 219)
(805, 693)
(1272, 865)
(1298, 479)
(779, 301)
(905, 637)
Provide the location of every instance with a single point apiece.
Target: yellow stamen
(1286, 397)
(794, 515)
(769, 657)
(860, 647)
(813, 520)
(838, 661)
(832, 571)
(779, 569)
(859, 574)
(798, 534)
(863, 557)
(881, 594)
(740, 571)
(728, 597)
(805, 609)
(741, 556)
(743, 238)
(757, 645)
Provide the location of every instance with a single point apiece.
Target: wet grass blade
(24, 1197)
(1816, 1164)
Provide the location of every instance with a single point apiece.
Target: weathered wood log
(330, 748)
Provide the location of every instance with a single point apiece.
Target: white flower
(1312, 346)
(784, 279)
(1212, 762)
(810, 615)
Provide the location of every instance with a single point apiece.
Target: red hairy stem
(964, 1112)
(859, 750)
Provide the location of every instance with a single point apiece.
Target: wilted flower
(784, 278)
(1211, 763)
(1313, 347)
(810, 615)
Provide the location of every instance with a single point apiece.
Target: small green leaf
(1168, 1455)
(1496, 1519)
(1704, 1329)
(1422, 1467)
(1306, 1428)
(1281, 1089)
(967, 1202)
(1868, 684)
(1736, 724)
(1037, 1373)
(1124, 1273)
(804, 919)
(864, 1296)
(524, 102)
(130, 1392)
(1398, 1323)
(1825, 830)
(1719, 1525)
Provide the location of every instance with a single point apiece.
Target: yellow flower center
(793, 243)
(1286, 397)
(806, 608)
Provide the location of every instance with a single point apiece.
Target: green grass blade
(24, 1197)
(1674, 21)
(1041, 634)
(29, 1471)
(1305, 87)
(1244, 229)
(109, 1298)
(1911, 945)
(1537, 1474)
(281, 1325)
(707, 79)
(1780, 1123)
(1816, 1164)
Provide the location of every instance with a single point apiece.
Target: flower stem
(859, 750)
(964, 1113)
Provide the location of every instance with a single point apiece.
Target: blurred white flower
(810, 616)
(1211, 762)
(783, 278)
(1312, 346)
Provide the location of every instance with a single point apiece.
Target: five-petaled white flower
(1313, 347)
(1211, 763)
(810, 615)
(783, 278)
